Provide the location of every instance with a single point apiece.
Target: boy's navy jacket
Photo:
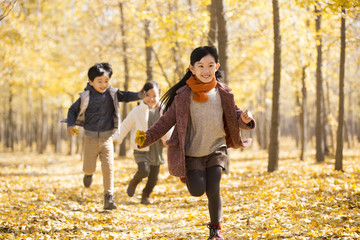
(100, 112)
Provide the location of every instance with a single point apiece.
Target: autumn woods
(294, 64)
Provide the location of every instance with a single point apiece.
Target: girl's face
(151, 98)
(205, 69)
(101, 83)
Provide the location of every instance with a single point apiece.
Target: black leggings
(198, 182)
(149, 171)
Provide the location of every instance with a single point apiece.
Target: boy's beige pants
(104, 148)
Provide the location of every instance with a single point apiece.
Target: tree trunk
(350, 121)
(148, 50)
(162, 68)
(339, 137)
(329, 108)
(346, 134)
(176, 49)
(357, 126)
(10, 126)
(325, 124)
(3, 124)
(126, 71)
(213, 24)
(275, 114)
(58, 127)
(319, 130)
(190, 5)
(29, 122)
(222, 38)
(42, 140)
(262, 127)
(303, 117)
(6, 7)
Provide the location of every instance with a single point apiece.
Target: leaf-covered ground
(42, 197)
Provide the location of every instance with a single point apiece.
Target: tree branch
(6, 7)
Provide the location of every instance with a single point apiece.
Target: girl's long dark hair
(196, 55)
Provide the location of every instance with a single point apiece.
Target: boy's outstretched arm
(73, 113)
(127, 96)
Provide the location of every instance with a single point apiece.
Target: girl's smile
(205, 69)
(151, 97)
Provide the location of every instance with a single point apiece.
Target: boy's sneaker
(109, 202)
(215, 231)
(87, 180)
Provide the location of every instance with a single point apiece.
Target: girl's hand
(140, 138)
(246, 117)
(73, 131)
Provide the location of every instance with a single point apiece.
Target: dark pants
(198, 182)
(149, 171)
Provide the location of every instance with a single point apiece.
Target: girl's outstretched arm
(125, 127)
(161, 126)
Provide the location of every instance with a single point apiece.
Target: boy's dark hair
(196, 55)
(150, 85)
(99, 69)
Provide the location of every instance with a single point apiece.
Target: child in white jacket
(148, 159)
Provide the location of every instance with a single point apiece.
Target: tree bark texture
(213, 24)
(275, 114)
(318, 128)
(148, 51)
(222, 38)
(303, 117)
(126, 72)
(339, 137)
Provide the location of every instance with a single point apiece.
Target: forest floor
(42, 197)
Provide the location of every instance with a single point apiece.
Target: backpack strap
(85, 97)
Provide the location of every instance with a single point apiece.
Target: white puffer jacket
(137, 119)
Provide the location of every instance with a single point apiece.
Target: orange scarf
(199, 88)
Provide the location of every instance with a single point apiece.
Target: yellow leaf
(314, 223)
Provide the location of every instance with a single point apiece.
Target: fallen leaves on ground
(42, 197)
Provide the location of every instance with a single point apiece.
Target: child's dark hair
(99, 69)
(196, 55)
(150, 85)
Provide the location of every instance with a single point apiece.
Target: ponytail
(219, 75)
(167, 99)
